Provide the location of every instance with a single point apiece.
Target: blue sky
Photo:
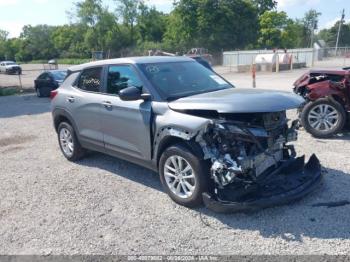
(14, 14)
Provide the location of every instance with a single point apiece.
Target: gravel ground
(103, 205)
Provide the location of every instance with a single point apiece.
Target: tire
(200, 172)
(75, 153)
(332, 125)
(38, 92)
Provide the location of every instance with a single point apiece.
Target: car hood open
(239, 100)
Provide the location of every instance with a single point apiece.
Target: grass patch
(8, 91)
(73, 61)
(63, 61)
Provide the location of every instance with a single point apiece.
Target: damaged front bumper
(291, 181)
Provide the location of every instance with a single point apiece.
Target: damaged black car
(229, 148)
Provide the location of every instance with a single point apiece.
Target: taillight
(53, 94)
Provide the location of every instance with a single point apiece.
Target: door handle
(71, 99)
(107, 104)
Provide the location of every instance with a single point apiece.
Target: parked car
(48, 81)
(208, 141)
(327, 93)
(10, 67)
(202, 61)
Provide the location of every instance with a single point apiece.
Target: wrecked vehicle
(210, 142)
(327, 93)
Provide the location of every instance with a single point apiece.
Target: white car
(10, 67)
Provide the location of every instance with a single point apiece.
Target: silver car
(209, 141)
(10, 67)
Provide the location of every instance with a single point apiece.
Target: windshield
(59, 75)
(10, 63)
(179, 79)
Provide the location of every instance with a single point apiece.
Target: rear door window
(90, 80)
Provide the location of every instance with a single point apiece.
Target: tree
(272, 26)
(292, 35)
(330, 35)
(310, 22)
(69, 40)
(3, 35)
(151, 24)
(89, 11)
(217, 25)
(264, 5)
(37, 43)
(128, 10)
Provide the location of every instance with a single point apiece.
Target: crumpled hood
(239, 100)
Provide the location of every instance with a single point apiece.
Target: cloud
(332, 22)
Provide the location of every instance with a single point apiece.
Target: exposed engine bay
(247, 151)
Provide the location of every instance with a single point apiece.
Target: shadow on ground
(290, 222)
(13, 106)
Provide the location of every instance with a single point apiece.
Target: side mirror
(132, 93)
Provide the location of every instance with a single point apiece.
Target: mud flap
(291, 181)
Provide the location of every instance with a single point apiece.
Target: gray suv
(209, 141)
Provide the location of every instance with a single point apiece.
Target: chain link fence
(333, 57)
(25, 81)
(242, 61)
(235, 61)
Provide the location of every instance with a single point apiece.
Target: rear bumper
(303, 180)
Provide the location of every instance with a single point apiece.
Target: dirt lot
(103, 205)
(29, 74)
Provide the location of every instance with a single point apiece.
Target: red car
(327, 93)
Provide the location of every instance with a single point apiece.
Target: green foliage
(151, 24)
(8, 91)
(213, 24)
(264, 5)
(131, 27)
(89, 11)
(277, 30)
(273, 25)
(330, 35)
(3, 35)
(310, 21)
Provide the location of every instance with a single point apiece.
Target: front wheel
(185, 177)
(323, 118)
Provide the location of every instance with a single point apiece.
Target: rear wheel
(38, 92)
(185, 177)
(323, 118)
(69, 143)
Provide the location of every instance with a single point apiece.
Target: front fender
(323, 89)
(172, 124)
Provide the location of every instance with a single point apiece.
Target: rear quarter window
(90, 80)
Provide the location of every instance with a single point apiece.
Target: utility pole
(340, 24)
